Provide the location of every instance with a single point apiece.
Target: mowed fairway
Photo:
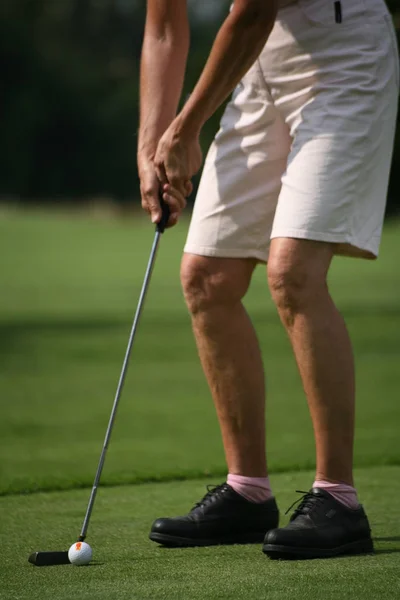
(68, 292)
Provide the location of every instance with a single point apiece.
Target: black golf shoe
(320, 527)
(222, 517)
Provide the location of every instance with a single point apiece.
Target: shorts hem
(212, 251)
(371, 247)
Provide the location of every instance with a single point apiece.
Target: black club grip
(160, 227)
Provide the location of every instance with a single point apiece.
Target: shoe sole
(172, 541)
(276, 552)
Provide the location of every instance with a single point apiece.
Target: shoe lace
(212, 492)
(306, 503)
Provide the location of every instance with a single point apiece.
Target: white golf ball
(80, 553)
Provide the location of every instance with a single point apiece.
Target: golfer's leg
(329, 521)
(230, 355)
(333, 193)
(229, 232)
(297, 273)
(243, 509)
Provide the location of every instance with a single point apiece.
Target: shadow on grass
(13, 332)
(34, 326)
(41, 325)
(340, 557)
(19, 338)
(394, 538)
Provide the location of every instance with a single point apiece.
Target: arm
(163, 63)
(237, 45)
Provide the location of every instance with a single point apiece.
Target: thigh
(242, 175)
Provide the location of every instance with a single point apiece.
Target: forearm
(163, 62)
(237, 45)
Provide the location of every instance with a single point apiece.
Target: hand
(150, 188)
(177, 159)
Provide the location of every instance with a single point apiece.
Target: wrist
(188, 123)
(145, 155)
(147, 145)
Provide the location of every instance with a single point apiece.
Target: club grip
(160, 227)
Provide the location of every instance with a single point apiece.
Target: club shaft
(142, 297)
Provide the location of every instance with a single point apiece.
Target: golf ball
(80, 553)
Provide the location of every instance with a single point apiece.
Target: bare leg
(297, 276)
(230, 356)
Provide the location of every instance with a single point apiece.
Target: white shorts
(305, 144)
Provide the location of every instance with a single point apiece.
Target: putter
(41, 559)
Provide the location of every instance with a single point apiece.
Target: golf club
(41, 558)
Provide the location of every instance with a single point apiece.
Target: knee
(294, 287)
(208, 283)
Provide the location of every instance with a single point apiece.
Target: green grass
(68, 292)
(128, 566)
(70, 288)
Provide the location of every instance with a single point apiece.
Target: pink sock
(254, 489)
(345, 494)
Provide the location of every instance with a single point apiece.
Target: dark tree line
(69, 96)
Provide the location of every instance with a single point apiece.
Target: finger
(173, 219)
(150, 202)
(168, 189)
(174, 206)
(176, 203)
(178, 183)
(175, 177)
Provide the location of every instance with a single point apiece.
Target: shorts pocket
(254, 78)
(333, 13)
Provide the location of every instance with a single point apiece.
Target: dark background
(69, 97)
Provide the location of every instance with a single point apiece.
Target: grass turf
(69, 291)
(128, 566)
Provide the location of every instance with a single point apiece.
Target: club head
(47, 559)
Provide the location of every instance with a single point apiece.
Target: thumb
(154, 207)
(150, 198)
